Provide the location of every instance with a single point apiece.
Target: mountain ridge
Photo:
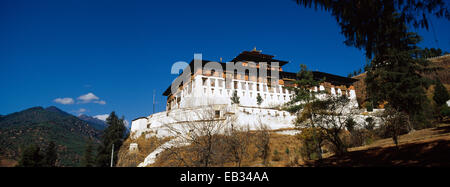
(94, 122)
(38, 125)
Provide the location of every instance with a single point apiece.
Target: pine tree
(31, 157)
(366, 24)
(259, 99)
(395, 78)
(441, 95)
(114, 134)
(50, 155)
(88, 160)
(235, 98)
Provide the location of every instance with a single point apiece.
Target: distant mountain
(94, 122)
(40, 126)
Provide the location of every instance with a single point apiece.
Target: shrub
(368, 105)
(276, 156)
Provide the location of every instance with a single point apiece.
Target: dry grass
(145, 146)
(424, 148)
(277, 142)
(5, 162)
(419, 136)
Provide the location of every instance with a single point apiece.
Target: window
(213, 82)
(204, 81)
(227, 84)
(217, 114)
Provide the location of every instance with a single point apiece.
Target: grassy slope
(427, 147)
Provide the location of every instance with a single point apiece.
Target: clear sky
(99, 56)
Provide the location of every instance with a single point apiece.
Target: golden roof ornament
(254, 50)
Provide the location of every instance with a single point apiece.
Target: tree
(235, 98)
(441, 95)
(370, 123)
(332, 116)
(395, 123)
(368, 105)
(50, 155)
(259, 99)
(311, 140)
(444, 112)
(200, 139)
(302, 103)
(367, 24)
(31, 157)
(395, 78)
(114, 134)
(350, 124)
(262, 144)
(238, 141)
(88, 160)
(429, 53)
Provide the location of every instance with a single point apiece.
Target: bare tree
(201, 133)
(262, 143)
(330, 114)
(237, 142)
(395, 123)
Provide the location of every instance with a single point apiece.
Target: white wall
(207, 90)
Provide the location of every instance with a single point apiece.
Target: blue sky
(118, 52)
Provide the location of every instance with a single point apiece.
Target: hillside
(40, 126)
(443, 74)
(424, 148)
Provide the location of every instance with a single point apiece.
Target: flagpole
(112, 154)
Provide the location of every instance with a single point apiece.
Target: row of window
(244, 86)
(251, 94)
